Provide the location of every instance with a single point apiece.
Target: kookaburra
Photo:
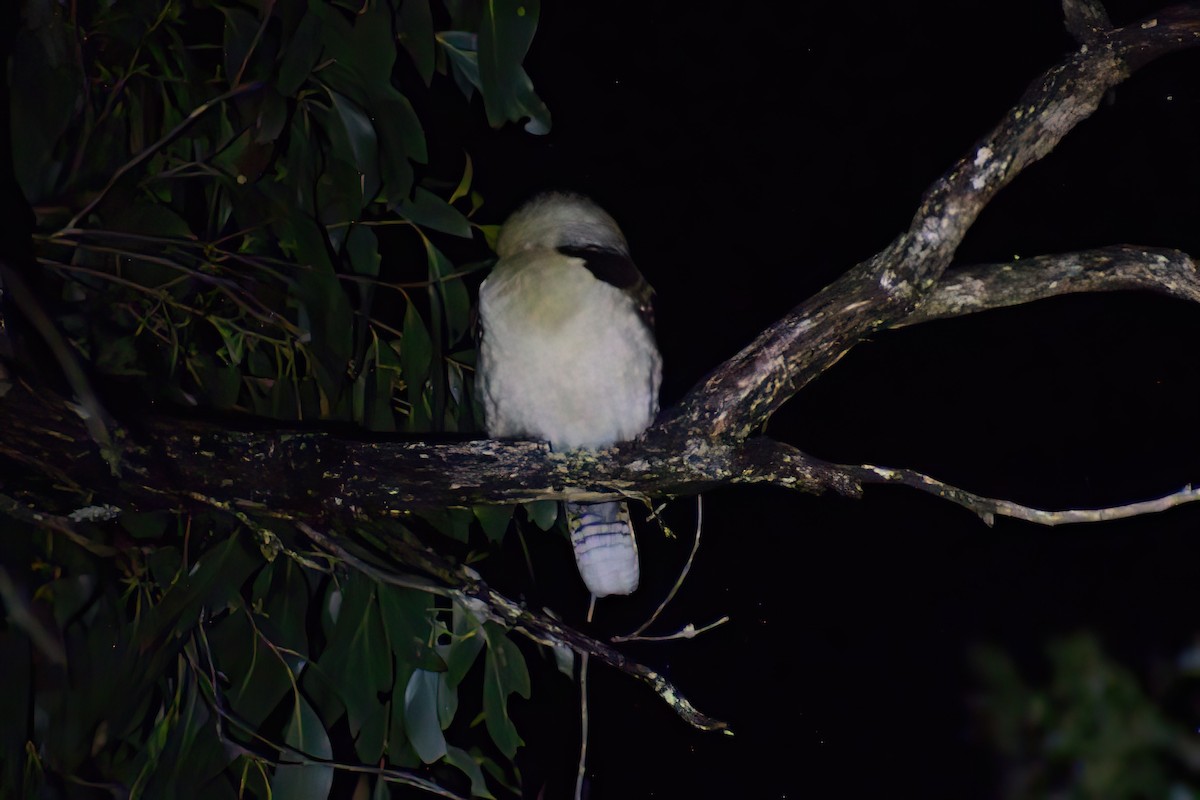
(567, 355)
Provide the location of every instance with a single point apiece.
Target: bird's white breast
(565, 356)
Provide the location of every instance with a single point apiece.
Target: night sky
(752, 153)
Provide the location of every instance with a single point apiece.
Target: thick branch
(742, 393)
(332, 476)
(1086, 20)
(1123, 267)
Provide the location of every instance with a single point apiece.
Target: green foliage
(236, 210)
(193, 666)
(214, 186)
(1091, 732)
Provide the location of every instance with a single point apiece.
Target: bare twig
(688, 631)
(636, 635)
(378, 573)
(989, 508)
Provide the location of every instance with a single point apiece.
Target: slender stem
(687, 567)
(169, 137)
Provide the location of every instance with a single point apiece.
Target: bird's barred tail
(605, 549)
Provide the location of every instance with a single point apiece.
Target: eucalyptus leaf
(221, 383)
(421, 721)
(260, 680)
(452, 522)
(286, 607)
(464, 184)
(466, 641)
(44, 100)
(213, 582)
(358, 658)
(377, 399)
(147, 524)
(415, 33)
(328, 316)
(300, 55)
(543, 513)
(272, 116)
(430, 211)
(564, 659)
(362, 247)
(504, 38)
(455, 302)
(407, 616)
(461, 49)
(494, 520)
(463, 761)
(416, 354)
(360, 134)
(240, 33)
(300, 781)
(505, 673)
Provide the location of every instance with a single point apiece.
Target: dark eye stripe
(609, 266)
(617, 269)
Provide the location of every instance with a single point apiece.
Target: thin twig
(687, 567)
(688, 631)
(381, 575)
(989, 508)
(169, 137)
(55, 524)
(301, 758)
(583, 709)
(21, 616)
(267, 9)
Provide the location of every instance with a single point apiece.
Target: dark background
(752, 152)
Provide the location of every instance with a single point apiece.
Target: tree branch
(741, 394)
(1086, 20)
(989, 508)
(967, 290)
(470, 591)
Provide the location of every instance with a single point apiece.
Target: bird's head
(557, 219)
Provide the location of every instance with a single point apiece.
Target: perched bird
(567, 355)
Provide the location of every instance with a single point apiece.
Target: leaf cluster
(1091, 729)
(177, 658)
(237, 209)
(235, 202)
